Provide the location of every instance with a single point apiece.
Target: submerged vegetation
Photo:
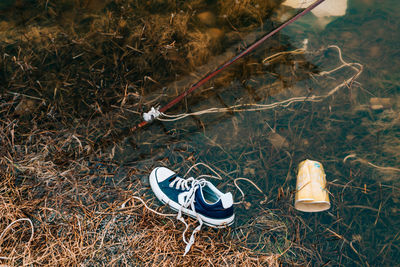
(75, 77)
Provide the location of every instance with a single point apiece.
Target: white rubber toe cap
(160, 174)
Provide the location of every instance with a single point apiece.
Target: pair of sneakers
(197, 198)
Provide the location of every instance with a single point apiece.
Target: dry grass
(77, 216)
(247, 12)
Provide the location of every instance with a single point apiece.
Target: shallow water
(362, 227)
(94, 74)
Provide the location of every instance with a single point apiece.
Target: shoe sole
(216, 223)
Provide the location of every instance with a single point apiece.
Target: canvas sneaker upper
(215, 206)
(197, 198)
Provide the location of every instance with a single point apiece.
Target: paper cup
(311, 193)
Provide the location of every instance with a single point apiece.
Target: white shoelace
(192, 185)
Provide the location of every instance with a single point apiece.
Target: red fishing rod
(155, 113)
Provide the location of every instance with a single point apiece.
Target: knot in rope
(153, 113)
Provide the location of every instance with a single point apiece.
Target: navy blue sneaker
(197, 198)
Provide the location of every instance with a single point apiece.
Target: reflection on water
(108, 61)
(324, 13)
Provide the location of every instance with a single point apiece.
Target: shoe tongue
(226, 200)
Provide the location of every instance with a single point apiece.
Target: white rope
(240, 190)
(285, 103)
(243, 107)
(382, 168)
(153, 113)
(147, 207)
(9, 226)
(207, 166)
(344, 64)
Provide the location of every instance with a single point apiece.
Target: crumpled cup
(311, 193)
